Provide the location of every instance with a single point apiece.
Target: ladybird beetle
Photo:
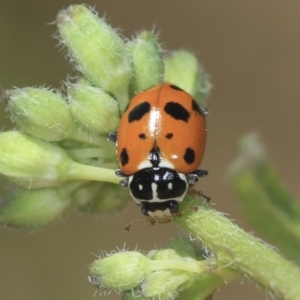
(160, 144)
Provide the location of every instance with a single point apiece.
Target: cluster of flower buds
(60, 154)
(160, 274)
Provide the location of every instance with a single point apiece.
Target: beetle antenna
(128, 226)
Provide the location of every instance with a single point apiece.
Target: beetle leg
(193, 192)
(112, 137)
(193, 177)
(124, 183)
(119, 173)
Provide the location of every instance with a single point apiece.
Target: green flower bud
(167, 283)
(93, 108)
(163, 285)
(78, 151)
(36, 163)
(121, 271)
(96, 155)
(41, 113)
(81, 80)
(131, 295)
(86, 193)
(107, 199)
(183, 70)
(147, 62)
(99, 52)
(46, 115)
(104, 157)
(30, 209)
(165, 254)
(126, 270)
(29, 159)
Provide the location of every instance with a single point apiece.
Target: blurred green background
(250, 48)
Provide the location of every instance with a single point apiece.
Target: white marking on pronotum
(154, 190)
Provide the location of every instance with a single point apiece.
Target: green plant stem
(175, 264)
(263, 213)
(110, 165)
(266, 201)
(241, 251)
(91, 139)
(94, 152)
(78, 171)
(207, 283)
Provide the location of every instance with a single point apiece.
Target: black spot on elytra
(196, 107)
(189, 156)
(169, 135)
(124, 158)
(155, 157)
(142, 136)
(138, 111)
(177, 111)
(175, 87)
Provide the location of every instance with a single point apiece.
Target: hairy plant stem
(242, 252)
